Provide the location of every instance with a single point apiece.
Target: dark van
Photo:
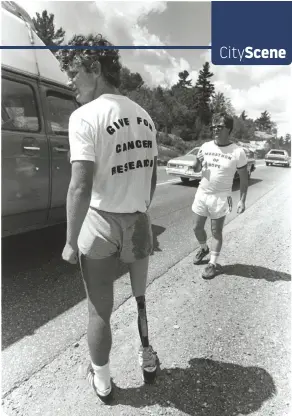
(35, 110)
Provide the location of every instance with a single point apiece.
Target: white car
(183, 166)
(278, 157)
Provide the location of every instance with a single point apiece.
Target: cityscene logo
(229, 52)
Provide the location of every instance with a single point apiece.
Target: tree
(218, 104)
(281, 142)
(221, 105)
(184, 113)
(287, 143)
(45, 29)
(264, 123)
(183, 81)
(243, 115)
(130, 81)
(204, 93)
(243, 130)
(229, 107)
(165, 109)
(287, 139)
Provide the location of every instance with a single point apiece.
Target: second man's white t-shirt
(119, 136)
(219, 167)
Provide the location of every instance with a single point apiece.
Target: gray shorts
(104, 234)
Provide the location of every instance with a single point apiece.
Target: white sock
(204, 246)
(213, 258)
(102, 379)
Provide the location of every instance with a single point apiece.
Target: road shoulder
(223, 344)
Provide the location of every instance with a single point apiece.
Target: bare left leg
(216, 226)
(217, 240)
(98, 277)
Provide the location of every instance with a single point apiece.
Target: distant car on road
(183, 166)
(278, 157)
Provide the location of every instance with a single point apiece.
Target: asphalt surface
(43, 307)
(224, 344)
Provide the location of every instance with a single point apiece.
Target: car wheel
(267, 164)
(184, 180)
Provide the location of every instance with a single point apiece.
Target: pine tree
(45, 29)
(183, 79)
(204, 93)
(264, 122)
(243, 115)
(218, 103)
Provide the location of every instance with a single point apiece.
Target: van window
(19, 110)
(60, 109)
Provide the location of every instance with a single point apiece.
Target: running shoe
(200, 254)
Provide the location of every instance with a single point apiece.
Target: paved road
(43, 307)
(224, 344)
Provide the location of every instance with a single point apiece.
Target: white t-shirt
(119, 136)
(219, 167)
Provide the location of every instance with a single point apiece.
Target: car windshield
(276, 152)
(194, 151)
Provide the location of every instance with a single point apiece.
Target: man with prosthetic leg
(113, 152)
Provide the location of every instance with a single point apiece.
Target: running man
(219, 160)
(114, 158)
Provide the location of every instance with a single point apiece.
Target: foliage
(264, 123)
(130, 81)
(45, 29)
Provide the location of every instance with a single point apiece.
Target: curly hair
(109, 59)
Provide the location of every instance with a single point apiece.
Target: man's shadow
(205, 388)
(254, 272)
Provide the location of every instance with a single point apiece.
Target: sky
(250, 88)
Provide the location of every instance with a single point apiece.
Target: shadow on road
(255, 272)
(251, 182)
(205, 388)
(37, 285)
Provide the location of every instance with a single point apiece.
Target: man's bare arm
(200, 159)
(243, 177)
(78, 199)
(153, 180)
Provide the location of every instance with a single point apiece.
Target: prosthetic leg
(142, 321)
(147, 357)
